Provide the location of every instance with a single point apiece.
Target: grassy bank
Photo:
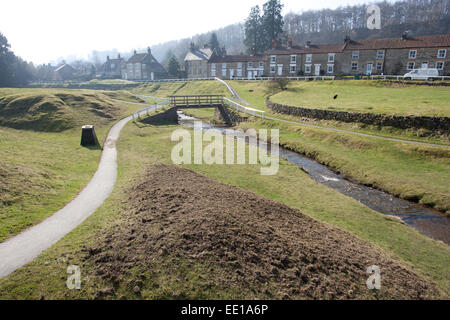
(368, 97)
(256, 93)
(42, 165)
(143, 145)
(165, 89)
(417, 173)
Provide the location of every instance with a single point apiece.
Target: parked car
(422, 74)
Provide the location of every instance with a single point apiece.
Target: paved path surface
(304, 124)
(25, 247)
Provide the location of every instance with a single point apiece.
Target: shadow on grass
(163, 124)
(93, 147)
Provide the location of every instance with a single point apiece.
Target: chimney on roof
(107, 58)
(135, 52)
(405, 36)
(347, 39)
(289, 43)
(274, 44)
(149, 50)
(118, 56)
(308, 44)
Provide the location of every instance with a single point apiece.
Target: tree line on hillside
(174, 68)
(419, 17)
(13, 70)
(262, 31)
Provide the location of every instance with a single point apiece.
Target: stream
(427, 221)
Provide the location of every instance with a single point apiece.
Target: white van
(422, 74)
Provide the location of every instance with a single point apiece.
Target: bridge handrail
(196, 100)
(247, 110)
(150, 108)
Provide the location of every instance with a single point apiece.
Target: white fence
(314, 78)
(442, 78)
(241, 108)
(154, 107)
(176, 80)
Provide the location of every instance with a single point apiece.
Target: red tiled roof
(320, 48)
(398, 43)
(388, 43)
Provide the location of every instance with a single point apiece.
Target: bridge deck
(196, 101)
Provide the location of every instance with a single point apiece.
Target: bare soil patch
(184, 230)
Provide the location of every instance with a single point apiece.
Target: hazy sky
(44, 30)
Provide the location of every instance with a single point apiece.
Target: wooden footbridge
(197, 101)
(208, 101)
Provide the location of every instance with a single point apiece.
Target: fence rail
(314, 78)
(241, 108)
(176, 80)
(150, 108)
(373, 77)
(196, 100)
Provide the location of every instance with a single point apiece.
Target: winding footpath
(25, 247)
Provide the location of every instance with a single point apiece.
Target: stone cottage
(143, 66)
(236, 66)
(310, 60)
(396, 56)
(112, 68)
(196, 62)
(390, 56)
(64, 72)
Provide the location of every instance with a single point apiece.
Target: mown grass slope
(172, 277)
(57, 110)
(256, 93)
(417, 173)
(166, 89)
(367, 96)
(42, 165)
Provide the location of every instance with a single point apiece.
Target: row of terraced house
(391, 56)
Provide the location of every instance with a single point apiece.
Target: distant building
(390, 56)
(310, 60)
(236, 66)
(396, 55)
(196, 62)
(63, 73)
(143, 66)
(112, 68)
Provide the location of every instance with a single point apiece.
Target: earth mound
(55, 111)
(189, 237)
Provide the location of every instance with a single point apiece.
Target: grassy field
(412, 172)
(368, 97)
(165, 89)
(42, 165)
(143, 145)
(256, 93)
(416, 173)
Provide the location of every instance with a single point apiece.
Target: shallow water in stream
(427, 221)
